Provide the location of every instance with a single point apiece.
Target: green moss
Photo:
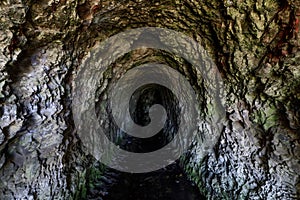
(88, 180)
(81, 191)
(266, 116)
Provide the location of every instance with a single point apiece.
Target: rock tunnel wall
(255, 46)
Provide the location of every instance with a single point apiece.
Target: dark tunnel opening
(167, 183)
(141, 101)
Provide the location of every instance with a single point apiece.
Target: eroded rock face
(255, 46)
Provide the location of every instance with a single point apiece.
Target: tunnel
(149, 99)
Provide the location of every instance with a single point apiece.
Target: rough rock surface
(255, 45)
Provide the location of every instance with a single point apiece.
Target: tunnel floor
(169, 183)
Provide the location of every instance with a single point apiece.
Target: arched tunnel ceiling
(255, 46)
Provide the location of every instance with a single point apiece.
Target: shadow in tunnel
(169, 183)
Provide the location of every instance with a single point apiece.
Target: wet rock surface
(254, 44)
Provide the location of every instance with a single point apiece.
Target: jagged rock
(255, 46)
